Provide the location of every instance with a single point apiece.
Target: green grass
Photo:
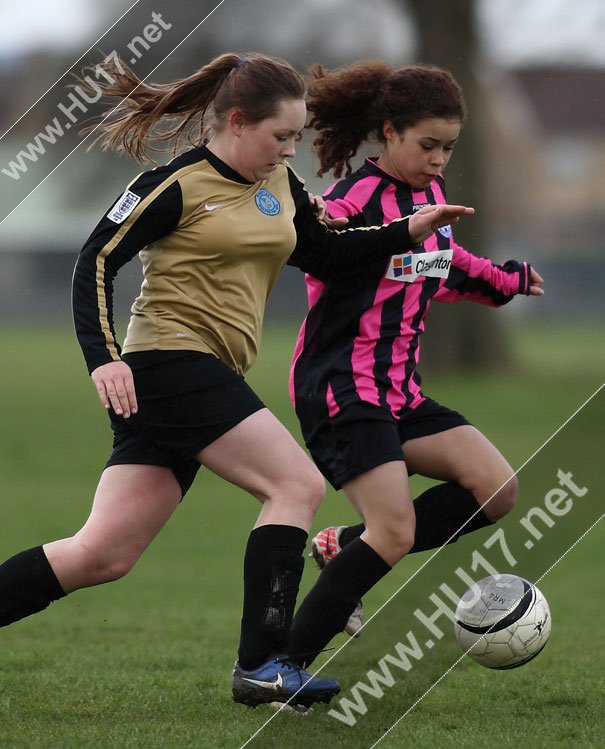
(146, 662)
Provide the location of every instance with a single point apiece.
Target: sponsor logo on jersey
(407, 268)
(124, 207)
(213, 206)
(419, 206)
(267, 203)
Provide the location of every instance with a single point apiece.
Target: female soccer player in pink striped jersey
(354, 382)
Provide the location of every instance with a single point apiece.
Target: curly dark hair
(350, 104)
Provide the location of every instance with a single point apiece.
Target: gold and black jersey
(211, 245)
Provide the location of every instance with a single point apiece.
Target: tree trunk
(465, 335)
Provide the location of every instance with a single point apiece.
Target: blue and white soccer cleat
(277, 680)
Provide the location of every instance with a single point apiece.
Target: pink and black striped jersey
(360, 341)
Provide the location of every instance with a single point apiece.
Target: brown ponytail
(351, 104)
(254, 84)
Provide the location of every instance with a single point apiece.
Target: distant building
(548, 152)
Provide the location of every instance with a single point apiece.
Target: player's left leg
(464, 456)
(260, 456)
(479, 487)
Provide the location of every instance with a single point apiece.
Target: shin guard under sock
(325, 610)
(27, 585)
(273, 566)
(441, 511)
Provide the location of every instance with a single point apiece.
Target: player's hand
(115, 385)
(318, 204)
(320, 209)
(427, 220)
(536, 281)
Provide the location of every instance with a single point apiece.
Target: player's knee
(393, 540)
(303, 488)
(404, 539)
(503, 500)
(100, 567)
(314, 489)
(117, 568)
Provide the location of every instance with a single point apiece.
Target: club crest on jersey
(267, 203)
(445, 231)
(124, 207)
(407, 268)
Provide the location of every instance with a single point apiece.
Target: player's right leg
(131, 505)
(479, 486)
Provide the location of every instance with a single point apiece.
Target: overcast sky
(514, 31)
(31, 24)
(555, 31)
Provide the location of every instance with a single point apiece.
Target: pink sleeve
(479, 280)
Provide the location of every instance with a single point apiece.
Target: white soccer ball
(502, 621)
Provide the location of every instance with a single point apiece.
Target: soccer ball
(502, 621)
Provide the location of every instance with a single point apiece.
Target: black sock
(27, 585)
(440, 513)
(328, 605)
(273, 566)
(350, 534)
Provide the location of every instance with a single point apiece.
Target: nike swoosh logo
(212, 206)
(277, 684)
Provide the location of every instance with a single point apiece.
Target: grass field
(145, 662)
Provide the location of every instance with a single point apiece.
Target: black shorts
(186, 400)
(365, 436)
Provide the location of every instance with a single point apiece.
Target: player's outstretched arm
(427, 220)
